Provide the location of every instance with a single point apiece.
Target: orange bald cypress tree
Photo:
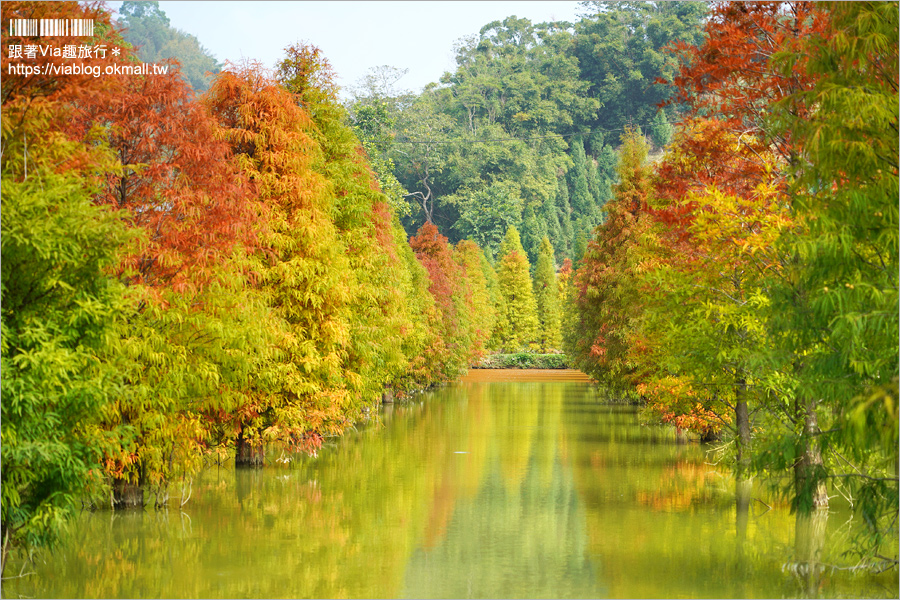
(605, 333)
(300, 267)
(195, 318)
(148, 152)
(450, 352)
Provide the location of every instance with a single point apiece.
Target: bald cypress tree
(516, 289)
(546, 293)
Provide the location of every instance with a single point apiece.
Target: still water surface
(527, 488)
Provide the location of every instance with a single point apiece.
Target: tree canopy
(200, 268)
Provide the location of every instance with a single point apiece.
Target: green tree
(486, 214)
(546, 292)
(374, 111)
(534, 230)
(580, 245)
(513, 275)
(498, 303)
(826, 101)
(550, 215)
(60, 304)
(607, 162)
(660, 129)
(582, 200)
(515, 85)
(421, 163)
(566, 226)
(519, 75)
(837, 310)
(594, 183)
(620, 51)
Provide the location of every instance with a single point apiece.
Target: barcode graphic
(51, 27)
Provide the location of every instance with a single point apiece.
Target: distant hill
(147, 28)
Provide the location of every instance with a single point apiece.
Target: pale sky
(354, 36)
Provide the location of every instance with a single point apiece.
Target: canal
(504, 485)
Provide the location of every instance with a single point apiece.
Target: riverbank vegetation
(745, 287)
(523, 360)
(194, 277)
(189, 279)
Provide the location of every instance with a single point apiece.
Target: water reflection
(497, 489)
(522, 532)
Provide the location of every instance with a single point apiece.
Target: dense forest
(524, 133)
(696, 203)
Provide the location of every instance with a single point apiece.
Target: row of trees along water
(742, 284)
(191, 278)
(745, 287)
(194, 277)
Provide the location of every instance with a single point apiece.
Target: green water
(526, 489)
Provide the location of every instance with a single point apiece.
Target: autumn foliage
(606, 296)
(732, 76)
(746, 288)
(247, 285)
(176, 177)
(193, 279)
(452, 293)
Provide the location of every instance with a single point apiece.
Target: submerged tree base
(248, 455)
(127, 495)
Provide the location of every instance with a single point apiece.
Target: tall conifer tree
(607, 294)
(513, 273)
(564, 210)
(546, 292)
(468, 256)
(550, 214)
(582, 201)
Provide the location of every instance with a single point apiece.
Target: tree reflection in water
(484, 489)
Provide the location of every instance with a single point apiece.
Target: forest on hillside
(524, 132)
(696, 202)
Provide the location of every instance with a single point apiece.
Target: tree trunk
(127, 494)
(246, 454)
(387, 396)
(5, 551)
(809, 483)
(742, 422)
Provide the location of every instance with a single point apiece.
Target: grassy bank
(523, 360)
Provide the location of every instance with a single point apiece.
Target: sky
(354, 36)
